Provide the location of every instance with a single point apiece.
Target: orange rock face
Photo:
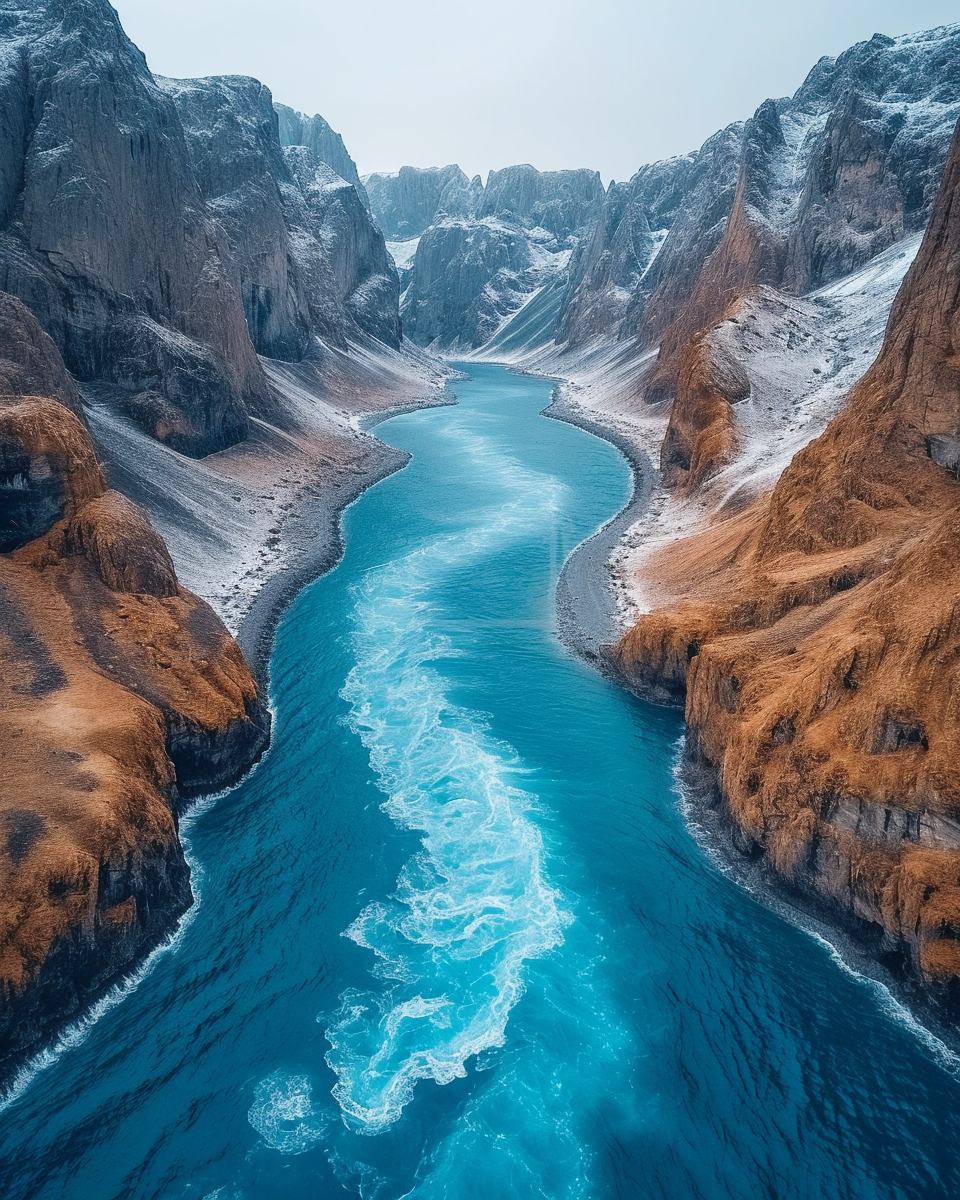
(700, 435)
(816, 637)
(120, 694)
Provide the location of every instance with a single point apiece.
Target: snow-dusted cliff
(480, 252)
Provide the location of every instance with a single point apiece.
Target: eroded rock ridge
(158, 233)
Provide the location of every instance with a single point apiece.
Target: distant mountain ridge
(819, 182)
(483, 250)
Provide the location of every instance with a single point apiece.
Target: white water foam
(473, 906)
(283, 1114)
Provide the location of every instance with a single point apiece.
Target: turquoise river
(454, 938)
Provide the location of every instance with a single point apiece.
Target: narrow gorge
(407, 794)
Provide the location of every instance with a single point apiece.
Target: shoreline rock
(583, 583)
(585, 602)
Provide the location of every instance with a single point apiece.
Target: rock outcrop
(351, 284)
(815, 635)
(608, 267)
(122, 694)
(468, 275)
(231, 133)
(809, 189)
(307, 257)
(30, 364)
(296, 129)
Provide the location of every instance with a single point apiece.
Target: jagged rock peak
(297, 129)
(105, 234)
(408, 201)
(157, 234)
(836, 173)
(562, 202)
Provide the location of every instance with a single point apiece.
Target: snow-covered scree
(802, 357)
(235, 519)
(403, 253)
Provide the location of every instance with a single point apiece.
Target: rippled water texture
(454, 939)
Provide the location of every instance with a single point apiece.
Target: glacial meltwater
(453, 936)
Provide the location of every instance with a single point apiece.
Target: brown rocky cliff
(817, 637)
(48, 468)
(750, 252)
(700, 434)
(120, 694)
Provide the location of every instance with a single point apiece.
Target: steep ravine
(811, 681)
(190, 358)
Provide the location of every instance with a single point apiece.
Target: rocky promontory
(122, 696)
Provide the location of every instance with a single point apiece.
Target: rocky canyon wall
(805, 192)
(158, 233)
(122, 696)
(814, 635)
(180, 284)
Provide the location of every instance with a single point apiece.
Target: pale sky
(607, 84)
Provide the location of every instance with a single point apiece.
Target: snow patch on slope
(234, 520)
(802, 357)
